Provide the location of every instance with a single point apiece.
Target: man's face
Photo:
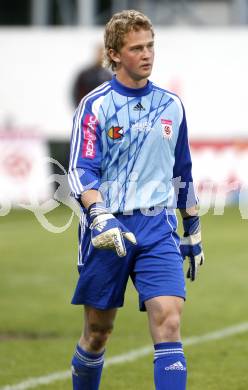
(135, 59)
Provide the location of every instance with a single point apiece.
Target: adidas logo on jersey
(139, 107)
(176, 366)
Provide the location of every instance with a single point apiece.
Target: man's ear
(114, 55)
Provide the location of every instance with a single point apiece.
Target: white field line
(128, 357)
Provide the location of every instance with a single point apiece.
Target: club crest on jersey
(166, 128)
(116, 133)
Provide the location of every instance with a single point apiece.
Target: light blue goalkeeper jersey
(132, 145)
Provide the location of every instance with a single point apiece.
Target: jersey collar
(127, 91)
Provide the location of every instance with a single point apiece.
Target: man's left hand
(191, 246)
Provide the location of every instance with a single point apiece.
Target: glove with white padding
(191, 246)
(107, 232)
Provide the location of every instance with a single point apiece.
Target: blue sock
(170, 372)
(86, 369)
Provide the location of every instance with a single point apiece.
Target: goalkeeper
(130, 167)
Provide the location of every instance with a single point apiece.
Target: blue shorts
(155, 264)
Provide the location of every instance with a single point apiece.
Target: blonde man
(129, 155)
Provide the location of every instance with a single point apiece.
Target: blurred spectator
(90, 77)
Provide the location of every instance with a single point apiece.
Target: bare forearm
(190, 212)
(90, 197)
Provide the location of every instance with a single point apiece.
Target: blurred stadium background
(202, 55)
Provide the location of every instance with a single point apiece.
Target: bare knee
(95, 336)
(171, 326)
(164, 318)
(98, 325)
(166, 327)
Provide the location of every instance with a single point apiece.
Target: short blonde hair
(119, 25)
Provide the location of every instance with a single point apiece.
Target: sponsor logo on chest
(142, 126)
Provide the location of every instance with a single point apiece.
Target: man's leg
(164, 315)
(87, 362)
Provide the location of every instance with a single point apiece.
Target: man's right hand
(106, 231)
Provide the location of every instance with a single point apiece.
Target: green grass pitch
(39, 328)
